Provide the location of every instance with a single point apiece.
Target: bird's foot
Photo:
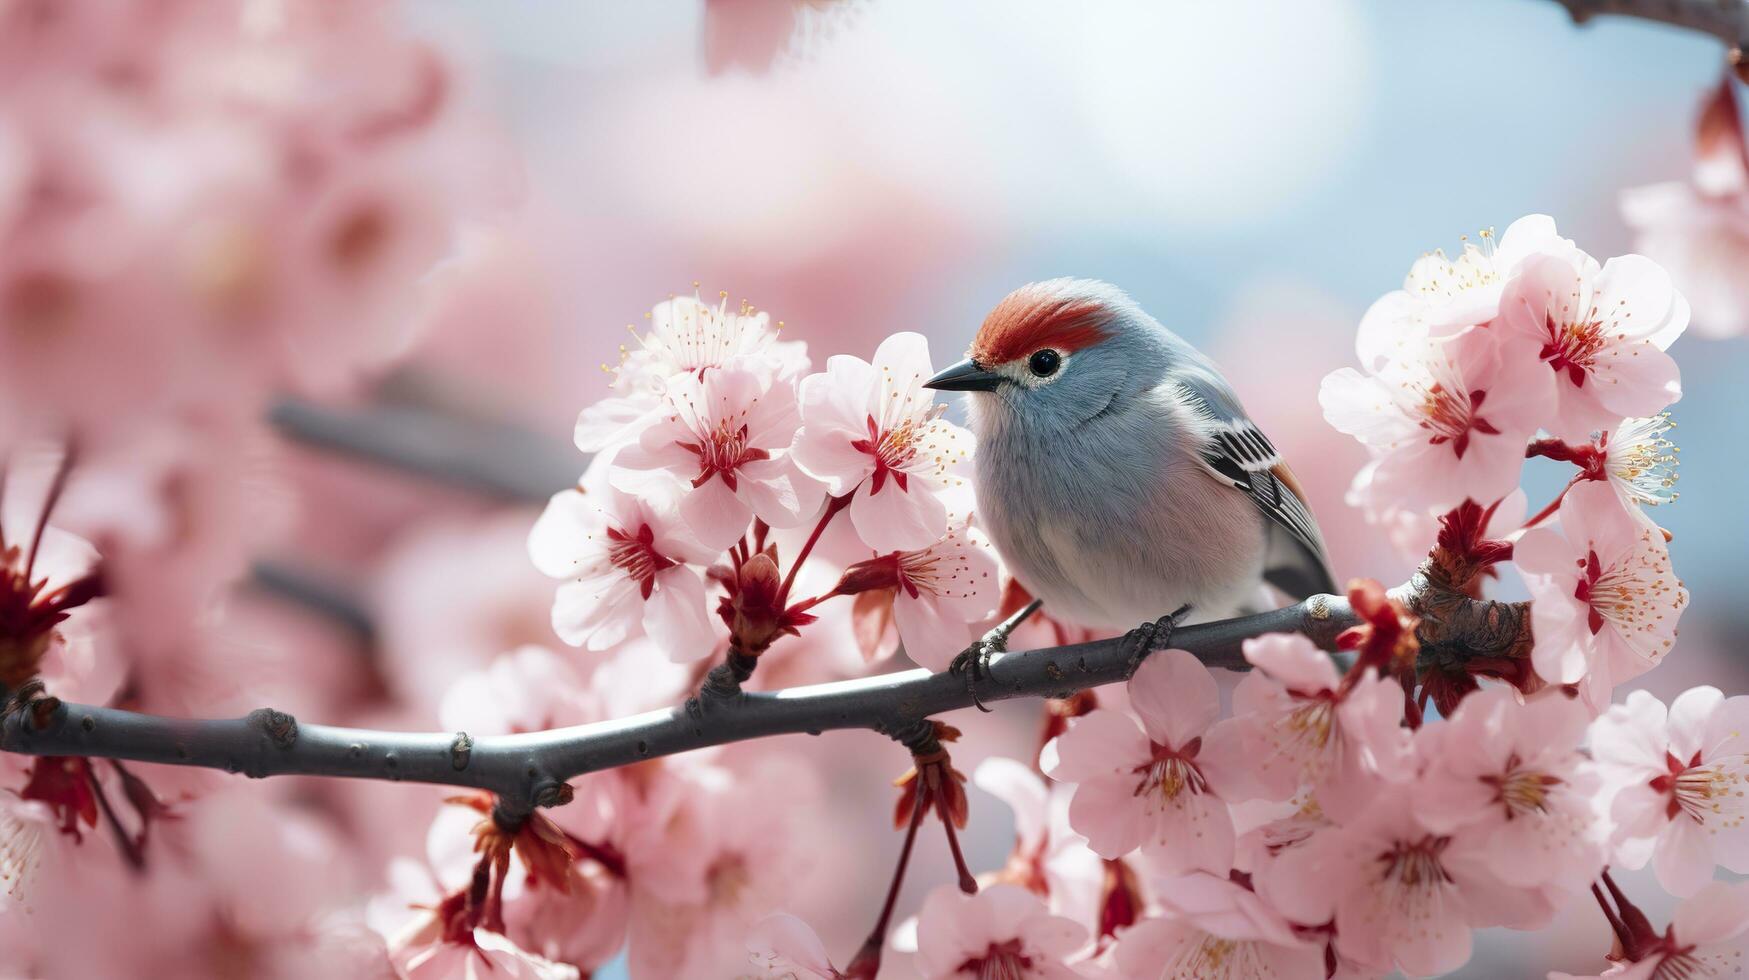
(974, 661)
(1142, 640)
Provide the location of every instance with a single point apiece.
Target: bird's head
(1055, 355)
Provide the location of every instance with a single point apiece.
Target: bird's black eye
(1044, 363)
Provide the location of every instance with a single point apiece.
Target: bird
(1117, 473)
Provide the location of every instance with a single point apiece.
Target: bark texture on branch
(1727, 20)
(531, 770)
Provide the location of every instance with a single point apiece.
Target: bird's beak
(967, 375)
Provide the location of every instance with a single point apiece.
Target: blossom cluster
(204, 207)
(720, 458)
(1460, 371)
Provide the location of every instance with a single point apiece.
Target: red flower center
(1572, 347)
(1689, 787)
(1452, 415)
(721, 453)
(893, 450)
(636, 555)
(1001, 961)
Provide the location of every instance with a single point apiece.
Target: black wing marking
(1238, 453)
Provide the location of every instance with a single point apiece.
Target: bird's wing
(1236, 452)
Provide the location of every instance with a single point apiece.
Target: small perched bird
(1118, 474)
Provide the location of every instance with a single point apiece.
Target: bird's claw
(1142, 639)
(974, 662)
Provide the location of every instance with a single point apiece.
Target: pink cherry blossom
(1513, 773)
(1296, 723)
(784, 947)
(725, 434)
(1448, 419)
(945, 592)
(1002, 931)
(626, 559)
(1398, 893)
(685, 336)
(422, 955)
(28, 837)
(1148, 785)
(743, 850)
(1211, 928)
(1602, 336)
(874, 430)
(1703, 240)
(1442, 296)
(1708, 937)
(1699, 229)
(1048, 858)
(1676, 783)
(1606, 601)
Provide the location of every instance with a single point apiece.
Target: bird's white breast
(1112, 525)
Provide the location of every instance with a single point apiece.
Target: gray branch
(532, 769)
(1727, 20)
(488, 457)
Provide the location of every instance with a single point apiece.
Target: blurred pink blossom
(1699, 229)
(1002, 931)
(1211, 928)
(1708, 937)
(784, 947)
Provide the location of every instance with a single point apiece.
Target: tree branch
(1727, 20)
(531, 770)
(496, 459)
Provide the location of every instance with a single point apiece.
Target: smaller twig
(1727, 20)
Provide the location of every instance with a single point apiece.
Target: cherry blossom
(1399, 893)
(1640, 460)
(784, 947)
(1699, 229)
(1676, 783)
(1148, 785)
(685, 336)
(725, 435)
(28, 835)
(1048, 858)
(1296, 722)
(1606, 601)
(875, 431)
(1442, 296)
(1602, 335)
(1513, 773)
(1448, 419)
(1708, 937)
(1211, 928)
(626, 561)
(482, 955)
(935, 597)
(741, 853)
(1002, 931)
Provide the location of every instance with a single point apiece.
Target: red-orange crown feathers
(1039, 314)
